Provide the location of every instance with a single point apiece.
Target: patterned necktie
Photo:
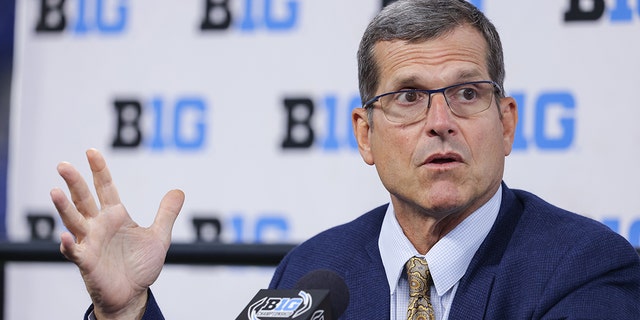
(419, 277)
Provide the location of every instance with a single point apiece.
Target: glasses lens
(470, 98)
(404, 106)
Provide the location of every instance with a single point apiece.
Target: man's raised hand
(118, 259)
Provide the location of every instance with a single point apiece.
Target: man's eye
(408, 97)
(468, 94)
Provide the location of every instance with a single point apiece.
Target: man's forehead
(429, 76)
(459, 57)
(454, 76)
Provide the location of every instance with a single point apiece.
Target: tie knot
(419, 277)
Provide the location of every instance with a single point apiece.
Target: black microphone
(319, 295)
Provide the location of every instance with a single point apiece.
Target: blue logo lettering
(270, 18)
(553, 121)
(100, 23)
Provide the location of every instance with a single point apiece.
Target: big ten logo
(159, 124)
(551, 125)
(250, 15)
(287, 305)
(632, 234)
(265, 227)
(330, 115)
(593, 10)
(83, 16)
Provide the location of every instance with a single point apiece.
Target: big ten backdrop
(245, 105)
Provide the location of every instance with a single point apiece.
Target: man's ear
(361, 129)
(509, 110)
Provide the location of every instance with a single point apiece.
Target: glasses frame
(498, 90)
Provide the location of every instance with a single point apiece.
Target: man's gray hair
(416, 21)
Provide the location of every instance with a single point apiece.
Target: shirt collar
(449, 258)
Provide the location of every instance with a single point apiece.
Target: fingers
(72, 219)
(105, 188)
(79, 190)
(75, 217)
(168, 211)
(67, 246)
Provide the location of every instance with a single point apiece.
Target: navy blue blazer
(537, 262)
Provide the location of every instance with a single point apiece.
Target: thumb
(168, 211)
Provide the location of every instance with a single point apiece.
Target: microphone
(319, 295)
(328, 280)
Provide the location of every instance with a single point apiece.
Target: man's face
(443, 164)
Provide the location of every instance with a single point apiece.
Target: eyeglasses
(411, 105)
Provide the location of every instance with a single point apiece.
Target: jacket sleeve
(152, 311)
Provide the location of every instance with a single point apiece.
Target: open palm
(118, 259)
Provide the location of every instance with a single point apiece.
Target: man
(437, 126)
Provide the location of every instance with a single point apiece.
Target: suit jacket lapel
(367, 278)
(472, 296)
(372, 278)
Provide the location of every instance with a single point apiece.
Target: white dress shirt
(448, 259)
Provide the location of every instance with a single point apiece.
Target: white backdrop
(214, 119)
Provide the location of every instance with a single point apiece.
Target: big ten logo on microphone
(322, 122)
(279, 307)
(250, 15)
(619, 11)
(546, 121)
(81, 17)
(160, 123)
(238, 227)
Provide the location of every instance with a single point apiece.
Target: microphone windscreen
(328, 280)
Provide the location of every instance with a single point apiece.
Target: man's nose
(439, 115)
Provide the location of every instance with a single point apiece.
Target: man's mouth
(443, 158)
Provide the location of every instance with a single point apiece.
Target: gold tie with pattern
(419, 278)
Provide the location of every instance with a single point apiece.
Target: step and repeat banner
(245, 105)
